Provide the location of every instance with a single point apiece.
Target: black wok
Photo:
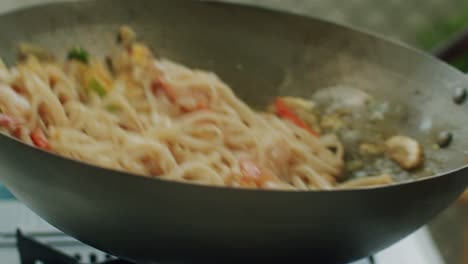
(260, 53)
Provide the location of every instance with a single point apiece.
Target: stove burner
(33, 252)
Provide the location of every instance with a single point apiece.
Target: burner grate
(415, 249)
(34, 252)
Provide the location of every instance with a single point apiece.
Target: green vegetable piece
(79, 54)
(113, 108)
(96, 86)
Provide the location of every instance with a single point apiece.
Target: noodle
(366, 182)
(160, 119)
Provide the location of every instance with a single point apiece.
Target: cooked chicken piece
(405, 151)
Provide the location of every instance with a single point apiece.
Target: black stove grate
(33, 252)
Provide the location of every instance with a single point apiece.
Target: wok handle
(453, 49)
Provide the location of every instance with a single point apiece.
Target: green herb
(79, 54)
(96, 86)
(113, 108)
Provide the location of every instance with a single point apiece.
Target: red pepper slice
(11, 124)
(18, 132)
(18, 88)
(52, 81)
(252, 174)
(283, 111)
(39, 139)
(161, 85)
(6, 121)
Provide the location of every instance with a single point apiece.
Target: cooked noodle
(161, 119)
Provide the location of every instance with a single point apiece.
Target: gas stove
(25, 238)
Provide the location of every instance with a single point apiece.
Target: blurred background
(426, 24)
(430, 25)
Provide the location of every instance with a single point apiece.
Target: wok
(260, 53)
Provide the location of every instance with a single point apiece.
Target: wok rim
(39, 7)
